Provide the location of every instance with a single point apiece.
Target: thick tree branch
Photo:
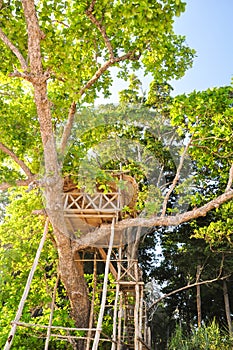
(14, 49)
(176, 178)
(39, 81)
(187, 287)
(101, 28)
(4, 186)
(93, 237)
(68, 128)
(22, 165)
(91, 7)
(130, 55)
(34, 36)
(97, 75)
(230, 180)
(112, 60)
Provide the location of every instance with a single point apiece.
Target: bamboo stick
(104, 294)
(51, 314)
(92, 302)
(24, 324)
(140, 315)
(10, 338)
(136, 312)
(120, 315)
(114, 333)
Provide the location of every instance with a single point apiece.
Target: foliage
(134, 139)
(79, 43)
(20, 234)
(177, 268)
(205, 337)
(207, 117)
(219, 232)
(74, 49)
(20, 133)
(96, 287)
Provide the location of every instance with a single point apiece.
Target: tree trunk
(72, 275)
(227, 306)
(71, 271)
(198, 296)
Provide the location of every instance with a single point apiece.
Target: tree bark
(198, 298)
(227, 307)
(71, 271)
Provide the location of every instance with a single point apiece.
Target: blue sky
(208, 27)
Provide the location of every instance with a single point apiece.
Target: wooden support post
(149, 341)
(145, 337)
(198, 297)
(120, 315)
(51, 314)
(136, 311)
(114, 332)
(140, 314)
(92, 303)
(116, 308)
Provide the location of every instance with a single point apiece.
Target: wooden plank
(91, 211)
(90, 215)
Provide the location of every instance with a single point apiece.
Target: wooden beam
(111, 267)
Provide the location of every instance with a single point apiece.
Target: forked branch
(176, 178)
(197, 283)
(187, 287)
(130, 56)
(112, 60)
(97, 75)
(101, 28)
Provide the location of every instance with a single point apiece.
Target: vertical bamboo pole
(125, 306)
(120, 314)
(145, 338)
(140, 314)
(26, 289)
(104, 293)
(149, 341)
(92, 303)
(51, 314)
(136, 310)
(114, 333)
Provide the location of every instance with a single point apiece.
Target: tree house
(83, 213)
(116, 253)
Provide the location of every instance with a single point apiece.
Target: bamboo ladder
(16, 322)
(128, 287)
